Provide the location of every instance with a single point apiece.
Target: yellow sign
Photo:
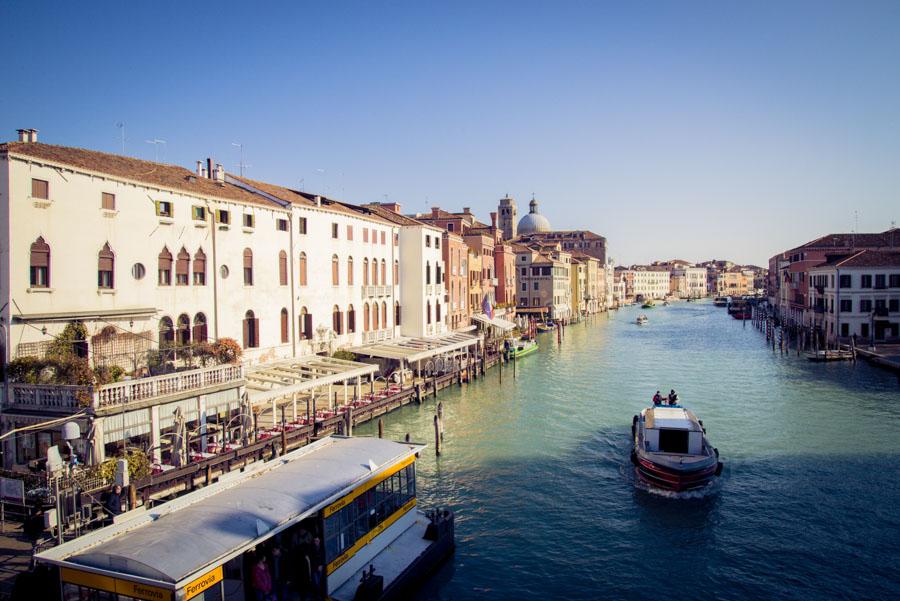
(192, 589)
(137, 590)
(340, 503)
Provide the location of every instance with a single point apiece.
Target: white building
(857, 294)
(691, 281)
(651, 282)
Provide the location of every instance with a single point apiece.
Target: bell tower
(507, 217)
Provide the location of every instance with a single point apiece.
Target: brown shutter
(248, 258)
(256, 332)
(284, 326)
(108, 201)
(40, 254)
(397, 316)
(307, 325)
(182, 266)
(282, 268)
(302, 270)
(384, 322)
(246, 333)
(350, 272)
(351, 321)
(335, 278)
(40, 189)
(105, 260)
(383, 273)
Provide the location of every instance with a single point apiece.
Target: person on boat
(673, 397)
(657, 398)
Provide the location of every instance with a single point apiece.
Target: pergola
(412, 351)
(285, 380)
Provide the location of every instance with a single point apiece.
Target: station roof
(415, 349)
(282, 378)
(497, 322)
(191, 535)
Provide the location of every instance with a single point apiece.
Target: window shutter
(108, 201)
(351, 321)
(246, 333)
(248, 259)
(307, 325)
(284, 326)
(200, 262)
(256, 332)
(105, 261)
(282, 268)
(40, 254)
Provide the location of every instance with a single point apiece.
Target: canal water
(537, 470)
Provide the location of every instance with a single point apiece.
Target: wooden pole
(380, 428)
(350, 420)
(440, 413)
(437, 436)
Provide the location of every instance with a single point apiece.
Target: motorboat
(545, 327)
(720, 301)
(641, 319)
(522, 346)
(671, 450)
(648, 304)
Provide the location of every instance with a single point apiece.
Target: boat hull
(664, 477)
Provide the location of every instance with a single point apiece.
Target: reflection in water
(547, 503)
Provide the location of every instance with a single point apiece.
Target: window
(365, 234)
(334, 230)
(198, 213)
(351, 320)
(282, 268)
(40, 264)
(302, 263)
(845, 329)
(865, 306)
(437, 242)
(108, 201)
(138, 271)
(894, 305)
(428, 311)
(535, 285)
(437, 311)
(200, 268)
(396, 239)
(337, 320)
(349, 271)
(864, 330)
(427, 241)
(524, 270)
(894, 280)
(349, 232)
(40, 189)
(248, 267)
(164, 267)
(524, 286)
(374, 272)
(449, 227)
(166, 332)
(281, 225)
(164, 208)
(374, 316)
(865, 281)
(335, 271)
(437, 274)
(365, 317)
(365, 272)
(249, 220)
(382, 239)
(199, 330)
(397, 313)
(846, 305)
(251, 330)
(284, 326)
(182, 268)
(301, 225)
(223, 217)
(105, 268)
(845, 281)
(427, 273)
(396, 272)
(183, 333)
(880, 281)
(383, 273)
(305, 324)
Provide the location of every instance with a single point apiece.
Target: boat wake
(704, 492)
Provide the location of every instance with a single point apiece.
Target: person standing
(115, 499)
(262, 578)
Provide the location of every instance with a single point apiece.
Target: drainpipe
(837, 308)
(291, 281)
(215, 274)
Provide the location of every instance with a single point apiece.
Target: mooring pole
(380, 428)
(437, 436)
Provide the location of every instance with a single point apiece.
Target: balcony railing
(49, 397)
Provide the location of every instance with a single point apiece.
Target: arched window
(248, 267)
(305, 324)
(165, 268)
(397, 313)
(335, 271)
(183, 334)
(384, 321)
(365, 317)
(199, 333)
(182, 268)
(365, 272)
(40, 264)
(349, 271)
(351, 320)
(251, 330)
(166, 333)
(396, 273)
(285, 335)
(383, 273)
(302, 264)
(200, 268)
(106, 260)
(427, 273)
(337, 320)
(374, 272)
(375, 316)
(282, 268)
(437, 311)
(437, 273)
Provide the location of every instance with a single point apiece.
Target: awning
(283, 378)
(414, 349)
(497, 322)
(532, 310)
(86, 315)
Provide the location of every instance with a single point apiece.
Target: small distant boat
(742, 313)
(545, 327)
(648, 304)
(641, 319)
(720, 301)
(665, 303)
(522, 347)
(832, 355)
(671, 450)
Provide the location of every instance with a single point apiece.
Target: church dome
(533, 222)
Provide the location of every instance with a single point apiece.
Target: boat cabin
(333, 506)
(672, 430)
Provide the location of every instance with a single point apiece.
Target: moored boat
(742, 313)
(544, 327)
(522, 347)
(720, 301)
(671, 450)
(648, 304)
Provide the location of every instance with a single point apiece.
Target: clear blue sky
(685, 129)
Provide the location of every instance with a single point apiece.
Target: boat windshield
(673, 441)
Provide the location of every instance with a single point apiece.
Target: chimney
(318, 200)
(200, 172)
(220, 173)
(27, 135)
(467, 210)
(209, 168)
(494, 219)
(435, 211)
(394, 207)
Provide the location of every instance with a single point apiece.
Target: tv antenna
(121, 126)
(241, 163)
(156, 142)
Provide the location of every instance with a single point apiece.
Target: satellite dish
(71, 431)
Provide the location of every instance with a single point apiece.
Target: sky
(693, 130)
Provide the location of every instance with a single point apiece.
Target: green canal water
(537, 470)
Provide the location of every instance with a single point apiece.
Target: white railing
(110, 395)
(49, 396)
(383, 291)
(369, 291)
(429, 289)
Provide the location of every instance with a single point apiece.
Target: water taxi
(521, 347)
(720, 301)
(671, 450)
(344, 508)
(641, 319)
(545, 327)
(648, 304)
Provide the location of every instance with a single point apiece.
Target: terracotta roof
(863, 258)
(158, 175)
(565, 234)
(889, 238)
(393, 217)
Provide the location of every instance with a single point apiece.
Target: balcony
(71, 399)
